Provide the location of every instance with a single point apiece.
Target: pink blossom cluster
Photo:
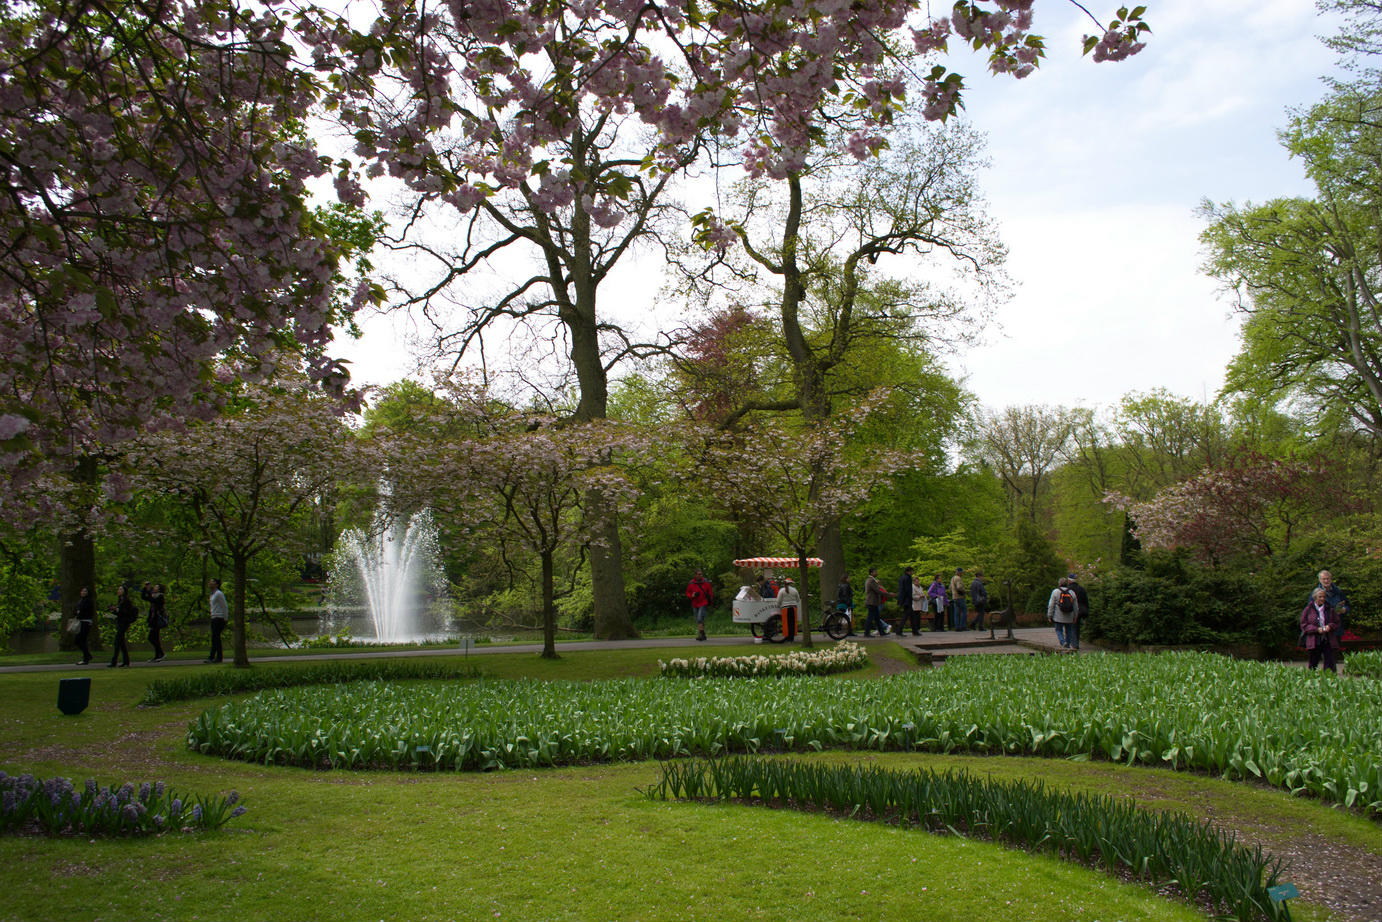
(1240, 507)
(1122, 38)
(247, 474)
(523, 474)
(156, 218)
(515, 82)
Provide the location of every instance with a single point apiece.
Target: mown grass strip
(218, 682)
(1202, 862)
(1307, 732)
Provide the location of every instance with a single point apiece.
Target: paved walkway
(940, 645)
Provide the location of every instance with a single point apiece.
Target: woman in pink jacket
(1319, 623)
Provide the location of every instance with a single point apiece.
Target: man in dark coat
(910, 616)
(1081, 599)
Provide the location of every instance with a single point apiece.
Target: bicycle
(835, 623)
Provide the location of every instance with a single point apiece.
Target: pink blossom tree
(155, 219)
(1252, 504)
(799, 477)
(518, 477)
(548, 133)
(248, 474)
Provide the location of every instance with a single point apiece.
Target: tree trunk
(804, 613)
(549, 608)
(76, 568)
(612, 621)
(830, 548)
(240, 581)
(77, 561)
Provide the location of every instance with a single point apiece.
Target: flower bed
(1161, 848)
(1303, 731)
(55, 806)
(839, 658)
(1365, 663)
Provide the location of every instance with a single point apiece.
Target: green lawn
(573, 843)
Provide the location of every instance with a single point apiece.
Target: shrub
(216, 682)
(55, 806)
(839, 658)
(1172, 600)
(1159, 848)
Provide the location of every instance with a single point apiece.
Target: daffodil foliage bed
(1308, 732)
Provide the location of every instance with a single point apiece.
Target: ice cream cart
(758, 613)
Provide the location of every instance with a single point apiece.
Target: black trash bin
(74, 694)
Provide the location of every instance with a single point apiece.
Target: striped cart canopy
(776, 562)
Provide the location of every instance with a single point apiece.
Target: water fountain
(391, 569)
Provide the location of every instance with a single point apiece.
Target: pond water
(306, 626)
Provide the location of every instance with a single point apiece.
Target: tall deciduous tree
(1022, 445)
(551, 132)
(814, 241)
(1307, 273)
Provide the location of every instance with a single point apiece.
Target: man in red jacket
(700, 592)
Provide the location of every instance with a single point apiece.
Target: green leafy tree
(1306, 272)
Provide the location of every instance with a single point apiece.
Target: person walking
(701, 593)
(157, 619)
(904, 602)
(979, 598)
(936, 603)
(874, 595)
(1063, 610)
(86, 617)
(844, 600)
(125, 615)
(788, 605)
(220, 614)
(1319, 622)
(959, 611)
(1081, 600)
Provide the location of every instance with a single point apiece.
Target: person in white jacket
(918, 604)
(788, 605)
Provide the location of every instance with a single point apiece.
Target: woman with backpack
(1063, 610)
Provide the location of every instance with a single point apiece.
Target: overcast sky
(1097, 173)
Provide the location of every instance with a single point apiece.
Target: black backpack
(1066, 601)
